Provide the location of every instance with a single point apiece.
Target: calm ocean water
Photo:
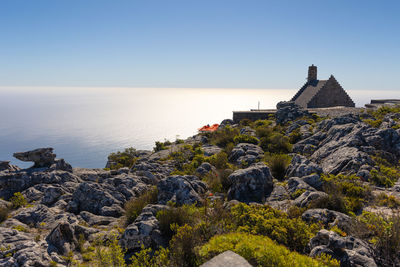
(84, 125)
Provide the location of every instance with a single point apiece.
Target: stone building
(321, 93)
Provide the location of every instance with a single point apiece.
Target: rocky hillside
(295, 190)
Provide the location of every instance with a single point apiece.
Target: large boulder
(252, 184)
(246, 153)
(42, 157)
(227, 258)
(350, 251)
(94, 198)
(186, 189)
(62, 238)
(144, 231)
(289, 111)
(301, 166)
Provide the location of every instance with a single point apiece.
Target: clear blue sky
(203, 43)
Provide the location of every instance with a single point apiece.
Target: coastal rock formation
(251, 184)
(42, 157)
(6, 166)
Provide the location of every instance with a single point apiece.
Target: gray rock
(295, 183)
(24, 251)
(305, 199)
(225, 123)
(313, 180)
(92, 219)
(210, 150)
(62, 238)
(6, 166)
(205, 168)
(244, 152)
(60, 164)
(289, 111)
(144, 231)
(349, 250)
(42, 157)
(248, 131)
(94, 198)
(300, 166)
(328, 218)
(227, 258)
(279, 193)
(252, 184)
(181, 190)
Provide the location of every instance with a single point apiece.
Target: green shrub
(18, 200)
(222, 137)
(20, 228)
(110, 255)
(120, 159)
(373, 123)
(264, 123)
(146, 258)
(169, 219)
(264, 220)
(219, 182)
(219, 160)
(259, 251)
(134, 207)
(386, 176)
(245, 122)
(243, 138)
(389, 201)
(383, 232)
(295, 136)
(3, 214)
(346, 193)
(161, 145)
(276, 143)
(182, 246)
(278, 163)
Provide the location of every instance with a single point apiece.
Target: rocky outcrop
(42, 157)
(300, 166)
(307, 197)
(19, 249)
(329, 218)
(350, 251)
(93, 198)
(186, 189)
(6, 166)
(227, 258)
(245, 153)
(144, 231)
(288, 111)
(205, 168)
(251, 184)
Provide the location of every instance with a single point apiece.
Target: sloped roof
(308, 91)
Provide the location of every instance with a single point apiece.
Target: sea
(84, 125)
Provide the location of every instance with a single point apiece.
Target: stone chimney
(312, 73)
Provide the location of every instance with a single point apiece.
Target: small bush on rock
(264, 220)
(120, 159)
(222, 137)
(170, 218)
(276, 143)
(243, 138)
(278, 164)
(134, 207)
(148, 258)
(18, 200)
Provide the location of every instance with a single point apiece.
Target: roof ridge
(300, 91)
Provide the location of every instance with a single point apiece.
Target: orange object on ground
(208, 128)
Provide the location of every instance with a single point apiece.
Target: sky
(199, 44)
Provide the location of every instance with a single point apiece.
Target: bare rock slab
(228, 258)
(42, 157)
